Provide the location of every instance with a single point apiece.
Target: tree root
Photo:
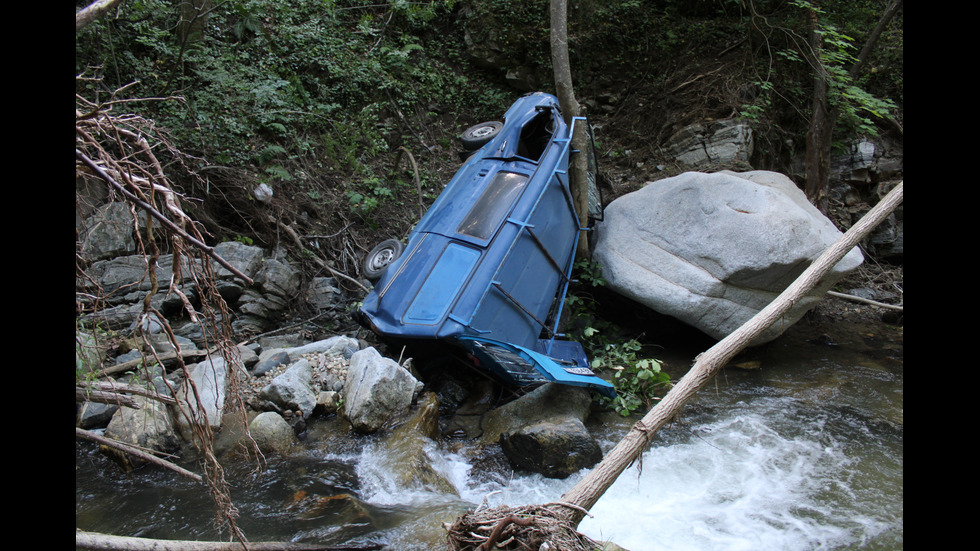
(530, 527)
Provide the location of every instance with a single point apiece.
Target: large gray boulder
(376, 391)
(712, 250)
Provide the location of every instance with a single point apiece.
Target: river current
(802, 452)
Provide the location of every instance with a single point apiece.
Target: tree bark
(194, 16)
(587, 492)
(578, 164)
(92, 12)
(819, 135)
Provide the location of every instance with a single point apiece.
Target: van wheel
(478, 135)
(380, 257)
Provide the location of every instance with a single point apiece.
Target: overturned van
(486, 270)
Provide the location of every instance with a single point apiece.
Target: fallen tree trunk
(91, 541)
(587, 492)
(136, 452)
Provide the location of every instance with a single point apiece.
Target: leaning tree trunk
(579, 162)
(587, 492)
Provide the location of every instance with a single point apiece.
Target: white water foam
(378, 486)
(737, 484)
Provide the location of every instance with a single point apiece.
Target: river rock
(548, 402)
(544, 431)
(94, 415)
(205, 402)
(328, 402)
(712, 250)
(269, 360)
(293, 389)
(555, 449)
(149, 427)
(376, 391)
(271, 432)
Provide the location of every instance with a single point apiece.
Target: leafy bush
(638, 379)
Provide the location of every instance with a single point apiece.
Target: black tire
(479, 135)
(380, 257)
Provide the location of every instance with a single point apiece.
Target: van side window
(493, 205)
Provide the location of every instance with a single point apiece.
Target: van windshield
(493, 205)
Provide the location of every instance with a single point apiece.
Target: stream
(803, 451)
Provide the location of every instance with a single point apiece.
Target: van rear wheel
(380, 257)
(479, 135)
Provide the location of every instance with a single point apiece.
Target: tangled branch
(531, 527)
(117, 150)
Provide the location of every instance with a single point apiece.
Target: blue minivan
(485, 271)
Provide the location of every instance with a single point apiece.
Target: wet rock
(555, 449)
(547, 402)
(405, 451)
(328, 402)
(272, 432)
(544, 431)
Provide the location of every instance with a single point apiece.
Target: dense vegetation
(315, 98)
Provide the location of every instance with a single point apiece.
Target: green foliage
(267, 73)
(638, 379)
(856, 105)
(783, 90)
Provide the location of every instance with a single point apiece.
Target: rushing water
(803, 452)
